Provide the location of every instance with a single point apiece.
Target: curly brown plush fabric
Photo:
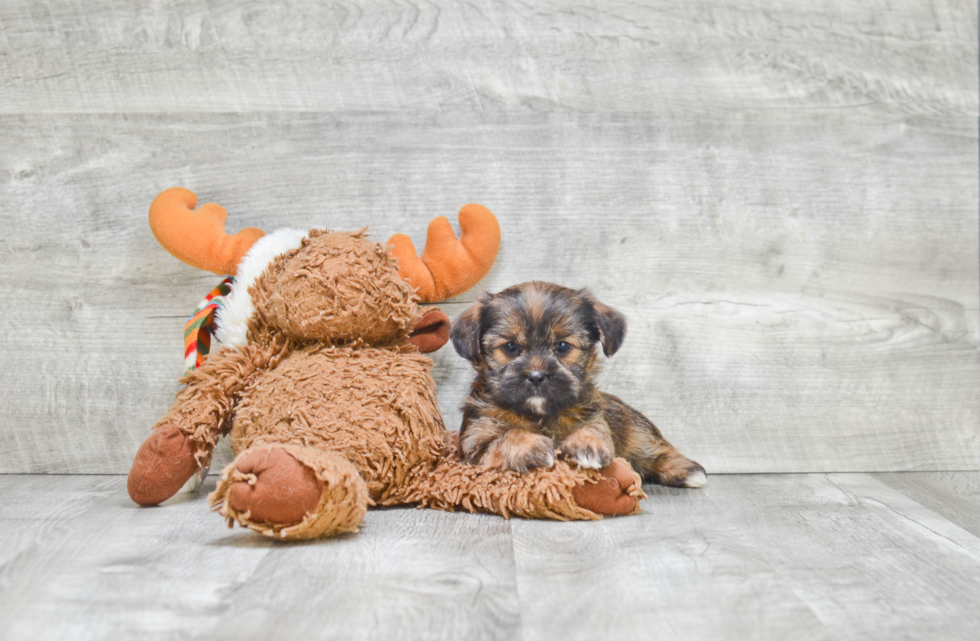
(377, 407)
(331, 409)
(337, 287)
(202, 408)
(341, 507)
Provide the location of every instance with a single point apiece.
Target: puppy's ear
(611, 325)
(466, 331)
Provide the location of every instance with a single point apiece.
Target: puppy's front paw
(521, 451)
(588, 448)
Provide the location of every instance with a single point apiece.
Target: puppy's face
(536, 344)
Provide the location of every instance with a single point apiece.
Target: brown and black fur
(534, 348)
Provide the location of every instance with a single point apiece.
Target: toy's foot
(618, 491)
(274, 487)
(164, 462)
(292, 492)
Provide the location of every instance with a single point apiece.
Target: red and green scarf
(201, 325)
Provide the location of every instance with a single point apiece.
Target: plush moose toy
(321, 382)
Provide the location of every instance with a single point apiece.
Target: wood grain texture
(36, 509)
(113, 569)
(783, 200)
(775, 326)
(805, 557)
(762, 557)
(660, 56)
(412, 574)
(954, 495)
(118, 571)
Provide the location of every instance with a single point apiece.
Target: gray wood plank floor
(809, 556)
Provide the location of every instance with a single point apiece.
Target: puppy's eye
(511, 348)
(563, 348)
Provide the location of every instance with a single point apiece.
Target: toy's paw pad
(617, 491)
(164, 462)
(274, 487)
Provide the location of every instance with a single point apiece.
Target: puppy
(534, 348)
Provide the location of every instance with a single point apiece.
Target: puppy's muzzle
(536, 377)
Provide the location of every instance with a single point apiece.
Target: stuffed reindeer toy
(320, 379)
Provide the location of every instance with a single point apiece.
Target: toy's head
(333, 287)
(338, 288)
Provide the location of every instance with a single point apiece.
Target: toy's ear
(466, 331)
(431, 331)
(611, 325)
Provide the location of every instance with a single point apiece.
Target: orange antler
(449, 266)
(198, 237)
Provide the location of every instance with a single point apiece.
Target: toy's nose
(536, 377)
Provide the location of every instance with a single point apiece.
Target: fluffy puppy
(534, 348)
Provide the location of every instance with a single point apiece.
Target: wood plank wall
(782, 197)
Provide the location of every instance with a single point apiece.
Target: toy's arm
(562, 492)
(182, 441)
(202, 408)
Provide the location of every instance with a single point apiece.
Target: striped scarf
(200, 327)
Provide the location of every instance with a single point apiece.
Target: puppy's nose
(536, 377)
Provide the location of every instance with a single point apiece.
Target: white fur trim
(232, 318)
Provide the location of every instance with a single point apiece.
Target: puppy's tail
(561, 493)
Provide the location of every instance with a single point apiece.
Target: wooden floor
(803, 556)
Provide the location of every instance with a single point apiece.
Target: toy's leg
(561, 492)
(617, 491)
(292, 492)
(163, 464)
